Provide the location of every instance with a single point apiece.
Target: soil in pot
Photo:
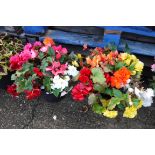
(5, 81)
(52, 98)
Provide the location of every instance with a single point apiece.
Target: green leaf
(56, 92)
(97, 108)
(117, 93)
(108, 91)
(13, 77)
(21, 86)
(135, 102)
(113, 102)
(121, 106)
(119, 65)
(28, 84)
(92, 99)
(131, 67)
(63, 58)
(98, 76)
(127, 49)
(41, 55)
(99, 88)
(44, 64)
(51, 52)
(49, 59)
(47, 83)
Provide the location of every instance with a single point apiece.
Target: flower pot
(52, 98)
(5, 81)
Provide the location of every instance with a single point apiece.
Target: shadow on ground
(19, 113)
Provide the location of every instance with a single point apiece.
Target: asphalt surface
(19, 113)
(39, 114)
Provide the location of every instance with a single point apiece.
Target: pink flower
(37, 43)
(60, 49)
(44, 49)
(15, 62)
(28, 46)
(25, 55)
(57, 68)
(153, 68)
(34, 53)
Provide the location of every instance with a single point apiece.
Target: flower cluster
(111, 80)
(153, 77)
(41, 65)
(8, 47)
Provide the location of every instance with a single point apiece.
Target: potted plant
(8, 47)
(42, 66)
(111, 80)
(152, 82)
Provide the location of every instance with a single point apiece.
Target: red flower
(85, 71)
(33, 93)
(12, 90)
(108, 78)
(38, 72)
(80, 91)
(58, 56)
(84, 78)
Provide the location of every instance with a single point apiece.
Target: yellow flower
(133, 57)
(123, 56)
(130, 112)
(128, 61)
(139, 66)
(104, 102)
(74, 63)
(79, 56)
(133, 73)
(110, 114)
(140, 104)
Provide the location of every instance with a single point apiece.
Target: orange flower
(111, 57)
(48, 41)
(94, 62)
(120, 77)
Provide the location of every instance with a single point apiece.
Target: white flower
(63, 93)
(128, 81)
(137, 92)
(42, 87)
(145, 95)
(130, 90)
(59, 83)
(72, 71)
(67, 78)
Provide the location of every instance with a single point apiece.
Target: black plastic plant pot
(5, 81)
(52, 98)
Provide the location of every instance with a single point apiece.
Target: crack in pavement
(32, 116)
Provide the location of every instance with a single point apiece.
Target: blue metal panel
(95, 41)
(111, 38)
(34, 29)
(141, 30)
(76, 39)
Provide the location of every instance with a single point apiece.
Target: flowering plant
(153, 78)
(112, 82)
(41, 66)
(8, 47)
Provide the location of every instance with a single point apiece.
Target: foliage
(8, 47)
(41, 66)
(108, 79)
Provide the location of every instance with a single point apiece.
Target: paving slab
(14, 112)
